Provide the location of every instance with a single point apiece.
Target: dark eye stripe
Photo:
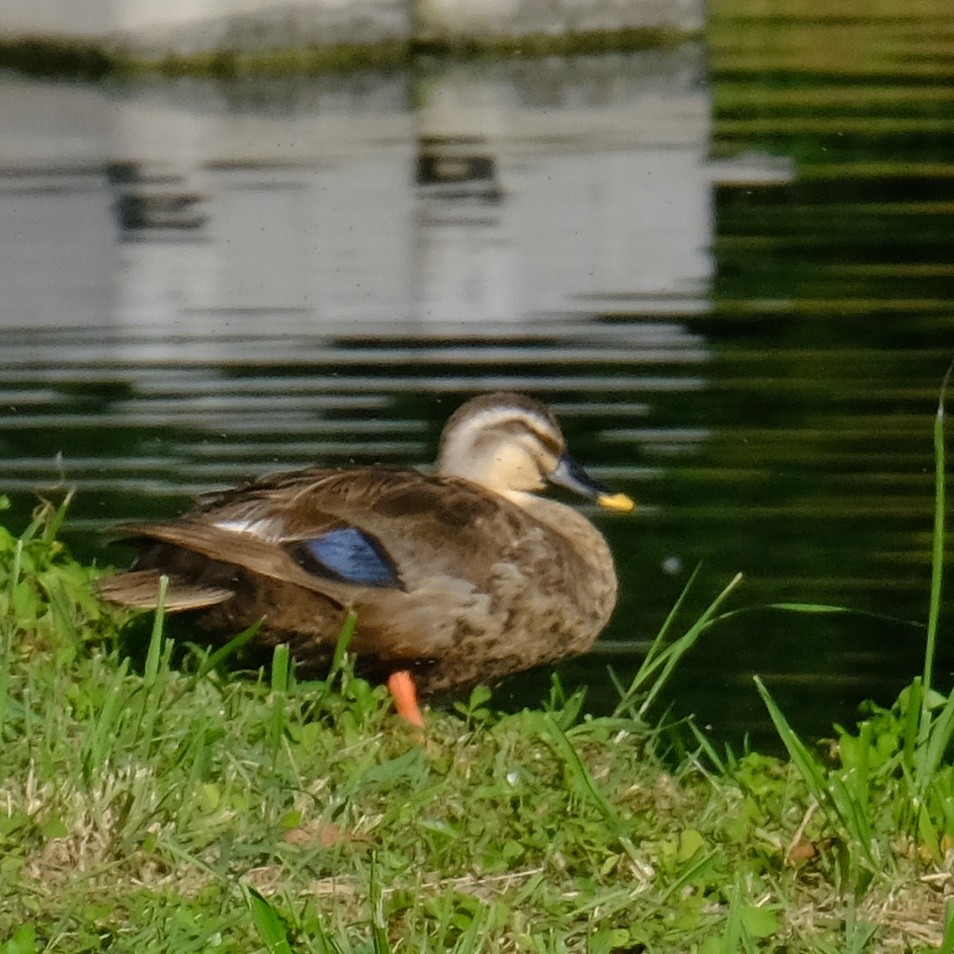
(489, 424)
(544, 435)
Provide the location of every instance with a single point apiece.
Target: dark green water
(743, 322)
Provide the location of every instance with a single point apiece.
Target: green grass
(894, 770)
(147, 806)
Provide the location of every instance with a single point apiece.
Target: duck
(457, 577)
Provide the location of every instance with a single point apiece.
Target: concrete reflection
(510, 191)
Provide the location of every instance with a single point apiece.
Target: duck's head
(513, 445)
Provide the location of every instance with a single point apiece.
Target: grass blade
(674, 612)
(681, 646)
(281, 668)
(101, 737)
(830, 792)
(731, 940)
(662, 658)
(947, 942)
(268, 923)
(51, 530)
(469, 941)
(344, 640)
(807, 767)
(155, 639)
(704, 862)
(16, 569)
(281, 672)
(379, 924)
(705, 746)
(324, 942)
(578, 771)
(220, 655)
(937, 556)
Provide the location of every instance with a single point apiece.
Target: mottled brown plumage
(462, 577)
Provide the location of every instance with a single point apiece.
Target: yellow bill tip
(619, 502)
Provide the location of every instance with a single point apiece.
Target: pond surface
(729, 268)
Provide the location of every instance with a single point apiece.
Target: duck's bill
(616, 502)
(569, 474)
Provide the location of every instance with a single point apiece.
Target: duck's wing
(399, 524)
(287, 487)
(351, 536)
(332, 561)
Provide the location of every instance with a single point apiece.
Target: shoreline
(208, 38)
(50, 57)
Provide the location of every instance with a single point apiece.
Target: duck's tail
(139, 589)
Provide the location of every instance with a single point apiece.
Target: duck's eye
(347, 554)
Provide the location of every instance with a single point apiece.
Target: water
(729, 270)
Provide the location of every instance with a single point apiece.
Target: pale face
(519, 462)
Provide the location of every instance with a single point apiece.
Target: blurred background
(725, 258)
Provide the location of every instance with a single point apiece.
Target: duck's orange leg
(402, 688)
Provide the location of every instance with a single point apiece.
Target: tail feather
(139, 589)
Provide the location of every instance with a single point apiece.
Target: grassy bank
(146, 806)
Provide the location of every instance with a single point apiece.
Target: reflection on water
(741, 314)
(507, 194)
